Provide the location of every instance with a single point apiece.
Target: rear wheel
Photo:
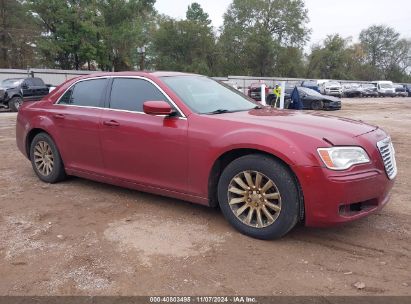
(46, 159)
(258, 195)
(317, 105)
(15, 103)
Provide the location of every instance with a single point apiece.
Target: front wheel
(46, 160)
(258, 195)
(15, 103)
(317, 105)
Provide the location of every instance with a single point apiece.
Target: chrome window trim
(57, 103)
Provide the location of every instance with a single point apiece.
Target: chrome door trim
(57, 103)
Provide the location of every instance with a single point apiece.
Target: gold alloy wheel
(43, 158)
(254, 199)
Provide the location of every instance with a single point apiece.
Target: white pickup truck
(332, 88)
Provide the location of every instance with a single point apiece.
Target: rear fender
(46, 124)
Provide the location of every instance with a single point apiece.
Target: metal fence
(49, 76)
(56, 77)
(243, 82)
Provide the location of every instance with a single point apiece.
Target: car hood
(336, 130)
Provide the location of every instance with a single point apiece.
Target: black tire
(317, 105)
(57, 173)
(15, 103)
(284, 182)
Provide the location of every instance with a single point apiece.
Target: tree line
(258, 38)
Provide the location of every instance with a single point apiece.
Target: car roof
(141, 73)
(14, 79)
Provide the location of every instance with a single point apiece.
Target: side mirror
(24, 86)
(157, 108)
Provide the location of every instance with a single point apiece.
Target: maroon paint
(174, 157)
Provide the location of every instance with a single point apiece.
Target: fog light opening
(356, 208)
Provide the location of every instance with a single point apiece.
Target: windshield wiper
(219, 111)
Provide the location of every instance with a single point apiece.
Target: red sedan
(192, 138)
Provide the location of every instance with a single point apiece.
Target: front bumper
(336, 197)
(333, 105)
(388, 94)
(331, 200)
(333, 93)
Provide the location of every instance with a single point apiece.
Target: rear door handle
(59, 116)
(111, 123)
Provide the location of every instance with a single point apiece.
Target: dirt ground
(85, 238)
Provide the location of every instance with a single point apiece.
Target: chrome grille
(387, 152)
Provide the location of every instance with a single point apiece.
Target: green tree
(196, 13)
(126, 24)
(17, 35)
(91, 32)
(69, 28)
(386, 53)
(186, 45)
(330, 60)
(255, 32)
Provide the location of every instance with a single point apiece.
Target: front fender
(292, 150)
(210, 140)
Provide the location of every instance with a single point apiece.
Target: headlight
(342, 158)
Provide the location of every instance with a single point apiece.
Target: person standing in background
(277, 92)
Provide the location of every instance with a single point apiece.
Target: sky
(346, 17)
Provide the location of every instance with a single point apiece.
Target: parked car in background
(408, 89)
(192, 138)
(313, 100)
(331, 88)
(385, 88)
(51, 87)
(15, 91)
(353, 90)
(254, 91)
(369, 90)
(311, 84)
(401, 90)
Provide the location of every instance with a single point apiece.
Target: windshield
(11, 83)
(309, 91)
(205, 96)
(332, 84)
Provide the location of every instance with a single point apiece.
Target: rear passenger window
(88, 93)
(130, 94)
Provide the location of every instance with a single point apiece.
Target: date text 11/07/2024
(203, 299)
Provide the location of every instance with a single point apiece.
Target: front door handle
(111, 123)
